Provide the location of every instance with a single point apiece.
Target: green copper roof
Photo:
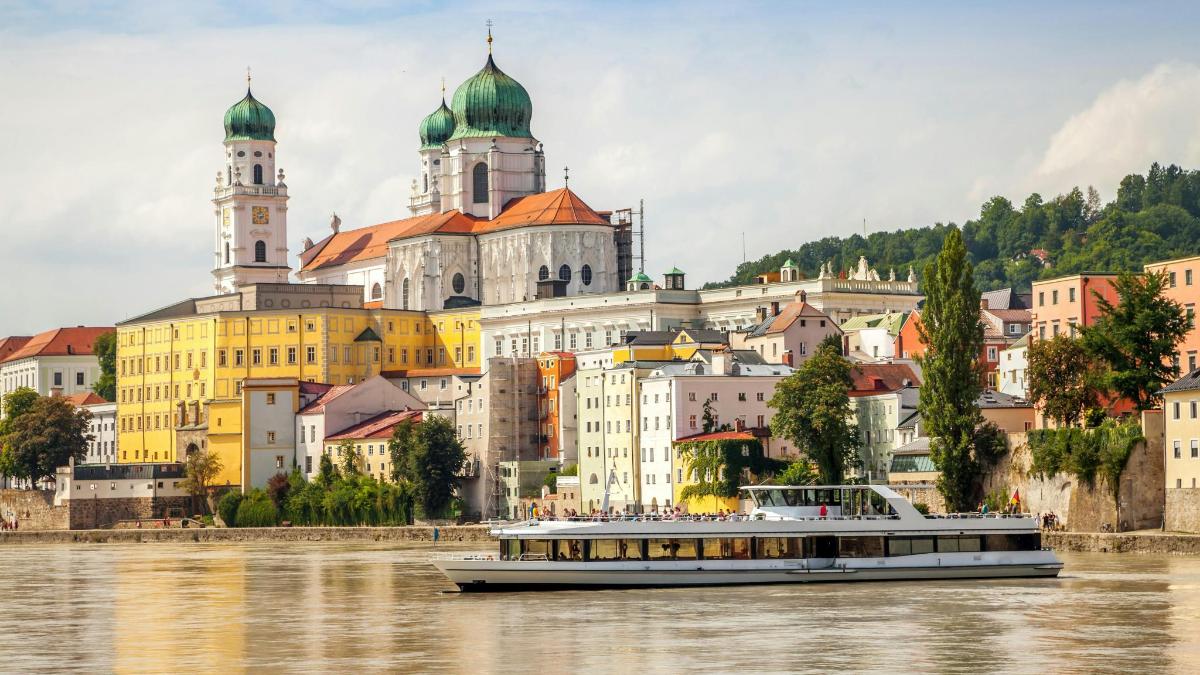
(491, 104)
(675, 270)
(641, 276)
(790, 263)
(249, 120)
(437, 127)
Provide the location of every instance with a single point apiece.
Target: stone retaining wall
(465, 533)
(1183, 510)
(33, 510)
(1123, 542)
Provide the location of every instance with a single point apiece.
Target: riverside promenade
(452, 533)
(1141, 541)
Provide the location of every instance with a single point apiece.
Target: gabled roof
(75, 341)
(880, 378)
(703, 335)
(368, 334)
(788, 315)
(318, 405)
(892, 321)
(719, 436)
(379, 426)
(643, 338)
(1189, 382)
(1011, 315)
(86, 398)
(11, 344)
(996, 399)
(558, 207)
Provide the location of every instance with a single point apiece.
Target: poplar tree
(951, 330)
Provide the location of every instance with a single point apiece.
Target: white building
(884, 397)
(102, 449)
(57, 362)
(1014, 361)
(568, 421)
(872, 338)
(340, 408)
(672, 408)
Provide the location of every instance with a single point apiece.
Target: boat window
(1031, 541)
(672, 549)
(570, 549)
(510, 549)
(955, 544)
(909, 545)
(821, 547)
(615, 549)
(779, 547)
(727, 548)
(536, 547)
(860, 547)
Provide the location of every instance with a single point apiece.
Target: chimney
(787, 358)
(983, 303)
(721, 362)
(775, 308)
(803, 296)
(760, 314)
(56, 391)
(739, 424)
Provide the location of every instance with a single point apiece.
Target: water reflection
(199, 607)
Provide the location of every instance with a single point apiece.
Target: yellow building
(178, 362)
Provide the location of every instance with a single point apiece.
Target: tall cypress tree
(953, 337)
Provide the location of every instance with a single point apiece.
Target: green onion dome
(437, 127)
(249, 120)
(491, 104)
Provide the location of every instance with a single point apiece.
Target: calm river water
(363, 607)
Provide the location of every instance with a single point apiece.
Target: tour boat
(867, 533)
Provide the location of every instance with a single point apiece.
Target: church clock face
(260, 215)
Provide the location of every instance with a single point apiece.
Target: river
(364, 607)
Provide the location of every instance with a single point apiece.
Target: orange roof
(559, 207)
(379, 426)
(11, 344)
(792, 311)
(86, 398)
(880, 378)
(318, 404)
(719, 436)
(76, 341)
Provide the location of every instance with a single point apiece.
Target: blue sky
(785, 121)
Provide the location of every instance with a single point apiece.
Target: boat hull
(499, 575)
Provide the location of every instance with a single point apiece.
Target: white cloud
(1154, 118)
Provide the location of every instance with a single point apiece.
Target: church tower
(435, 130)
(490, 157)
(250, 202)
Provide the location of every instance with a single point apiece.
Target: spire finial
(566, 176)
(489, 26)
(247, 77)
(443, 87)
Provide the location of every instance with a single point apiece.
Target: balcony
(250, 190)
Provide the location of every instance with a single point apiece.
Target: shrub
(257, 510)
(921, 507)
(228, 507)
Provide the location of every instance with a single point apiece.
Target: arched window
(376, 292)
(593, 480)
(258, 174)
(226, 253)
(260, 251)
(564, 273)
(459, 283)
(585, 275)
(229, 174)
(404, 294)
(645, 286)
(479, 183)
(425, 182)
(543, 273)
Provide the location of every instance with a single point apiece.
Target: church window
(585, 275)
(376, 292)
(479, 183)
(543, 273)
(229, 174)
(404, 294)
(226, 253)
(258, 153)
(564, 272)
(260, 251)
(258, 174)
(241, 153)
(425, 182)
(459, 283)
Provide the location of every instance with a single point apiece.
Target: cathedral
(483, 229)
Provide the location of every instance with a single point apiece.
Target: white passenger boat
(869, 533)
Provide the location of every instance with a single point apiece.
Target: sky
(777, 122)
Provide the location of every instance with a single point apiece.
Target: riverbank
(454, 533)
(1144, 541)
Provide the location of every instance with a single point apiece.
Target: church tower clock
(250, 202)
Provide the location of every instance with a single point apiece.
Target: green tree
(200, 470)
(719, 466)
(399, 447)
(327, 473)
(1137, 337)
(350, 459)
(953, 336)
(49, 434)
(708, 419)
(105, 349)
(1063, 378)
(16, 403)
(799, 472)
(812, 409)
(431, 459)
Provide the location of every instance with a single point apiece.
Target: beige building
(1181, 405)
(789, 335)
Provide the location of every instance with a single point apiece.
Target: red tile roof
(559, 207)
(86, 398)
(430, 372)
(792, 311)
(379, 426)
(75, 341)
(1012, 315)
(880, 378)
(318, 405)
(719, 436)
(11, 344)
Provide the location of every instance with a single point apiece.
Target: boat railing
(978, 515)
(684, 518)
